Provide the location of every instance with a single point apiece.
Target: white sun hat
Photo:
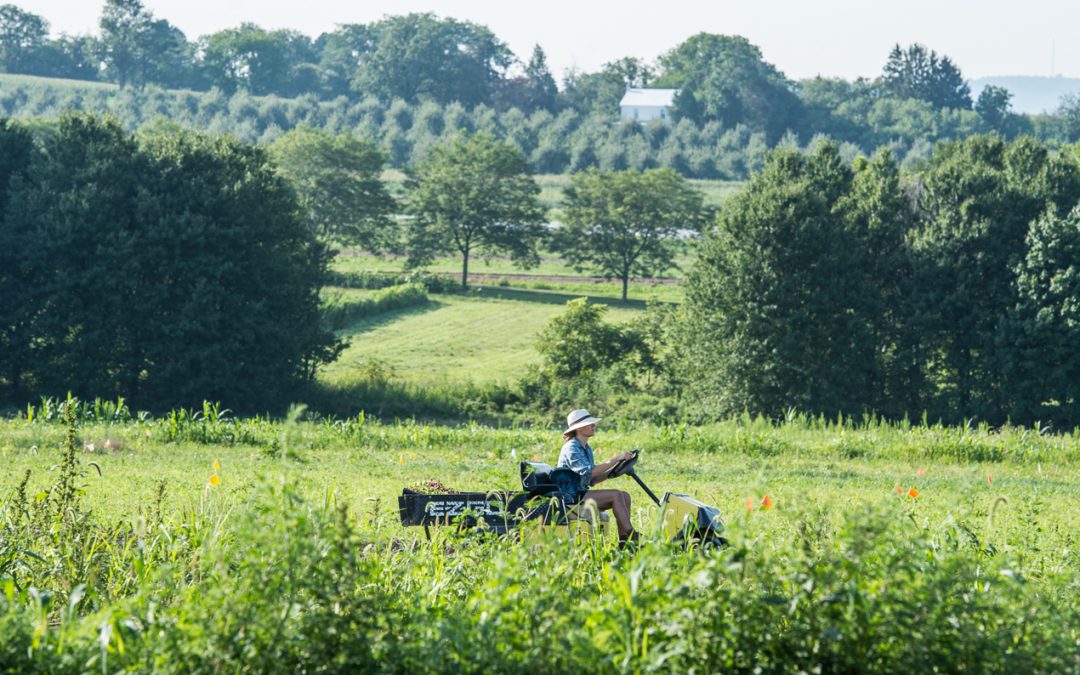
(579, 418)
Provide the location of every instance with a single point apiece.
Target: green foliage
(276, 572)
(338, 181)
(626, 223)
(419, 56)
(918, 73)
(258, 61)
(724, 78)
(776, 314)
(339, 312)
(579, 342)
(1040, 369)
(473, 194)
(22, 37)
(137, 49)
(16, 282)
(978, 197)
(162, 272)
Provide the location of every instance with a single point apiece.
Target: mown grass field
(552, 274)
(257, 563)
(459, 338)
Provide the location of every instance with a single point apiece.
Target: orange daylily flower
(766, 503)
(899, 490)
(920, 473)
(913, 493)
(989, 479)
(749, 504)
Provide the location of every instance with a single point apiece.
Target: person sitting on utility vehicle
(577, 455)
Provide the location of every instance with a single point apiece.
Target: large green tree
(626, 223)
(168, 273)
(879, 216)
(1039, 337)
(338, 181)
(978, 198)
(18, 292)
(774, 311)
(473, 194)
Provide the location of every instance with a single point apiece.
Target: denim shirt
(579, 458)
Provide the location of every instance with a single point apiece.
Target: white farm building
(647, 104)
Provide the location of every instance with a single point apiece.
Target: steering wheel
(623, 466)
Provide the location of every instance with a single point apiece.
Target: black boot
(629, 540)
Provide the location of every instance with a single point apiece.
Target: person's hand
(621, 457)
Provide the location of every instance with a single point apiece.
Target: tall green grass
(284, 564)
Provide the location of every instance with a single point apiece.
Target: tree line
(168, 269)
(383, 78)
(171, 267)
(951, 290)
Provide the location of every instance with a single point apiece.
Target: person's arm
(599, 472)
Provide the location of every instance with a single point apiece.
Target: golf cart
(551, 497)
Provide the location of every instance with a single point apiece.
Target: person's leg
(618, 502)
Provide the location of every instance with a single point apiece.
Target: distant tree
(22, 37)
(919, 73)
(137, 49)
(1068, 112)
(625, 223)
(255, 60)
(73, 57)
(338, 181)
(540, 87)
(993, 105)
(341, 55)
(473, 194)
(419, 56)
(601, 92)
(725, 78)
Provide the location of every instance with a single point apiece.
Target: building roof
(649, 97)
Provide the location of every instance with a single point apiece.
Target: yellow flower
(217, 466)
(214, 480)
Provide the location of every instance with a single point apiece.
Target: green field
(452, 338)
(714, 192)
(293, 559)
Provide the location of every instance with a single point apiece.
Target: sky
(803, 38)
